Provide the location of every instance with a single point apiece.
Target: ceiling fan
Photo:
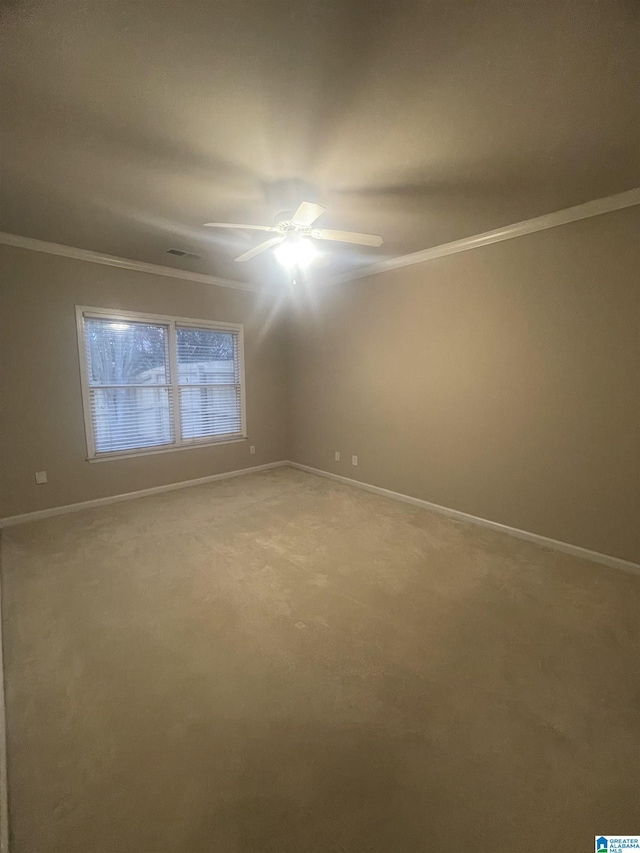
(294, 248)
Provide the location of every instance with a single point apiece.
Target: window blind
(209, 383)
(132, 400)
(129, 388)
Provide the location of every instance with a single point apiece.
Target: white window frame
(83, 311)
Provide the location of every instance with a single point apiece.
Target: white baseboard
(555, 544)
(127, 496)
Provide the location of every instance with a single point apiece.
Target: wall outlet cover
(252, 449)
(41, 477)
(337, 456)
(354, 460)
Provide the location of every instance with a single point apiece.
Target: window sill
(129, 454)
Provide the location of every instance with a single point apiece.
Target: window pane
(129, 418)
(206, 357)
(123, 353)
(210, 411)
(131, 394)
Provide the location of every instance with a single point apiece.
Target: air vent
(180, 254)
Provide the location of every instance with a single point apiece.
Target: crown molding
(508, 232)
(597, 207)
(122, 263)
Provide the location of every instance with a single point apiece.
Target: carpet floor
(281, 664)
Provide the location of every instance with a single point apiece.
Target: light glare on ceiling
(295, 253)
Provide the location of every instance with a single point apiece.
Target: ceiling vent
(180, 254)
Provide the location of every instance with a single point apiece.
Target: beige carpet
(279, 663)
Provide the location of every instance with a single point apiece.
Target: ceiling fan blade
(307, 213)
(261, 247)
(348, 237)
(242, 227)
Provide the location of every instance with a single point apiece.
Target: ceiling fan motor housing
(283, 221)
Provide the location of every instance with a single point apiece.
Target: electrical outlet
(337, 456)
(41, 477)
(354, 460)
(252, 449)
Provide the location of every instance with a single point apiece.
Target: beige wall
(40, 399)
(503, 382)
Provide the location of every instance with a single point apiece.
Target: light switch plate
(41, 477)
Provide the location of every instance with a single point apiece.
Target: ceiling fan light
(295, 253)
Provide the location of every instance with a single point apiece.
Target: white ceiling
(129, 124)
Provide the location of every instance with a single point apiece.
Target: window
(154, 383)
